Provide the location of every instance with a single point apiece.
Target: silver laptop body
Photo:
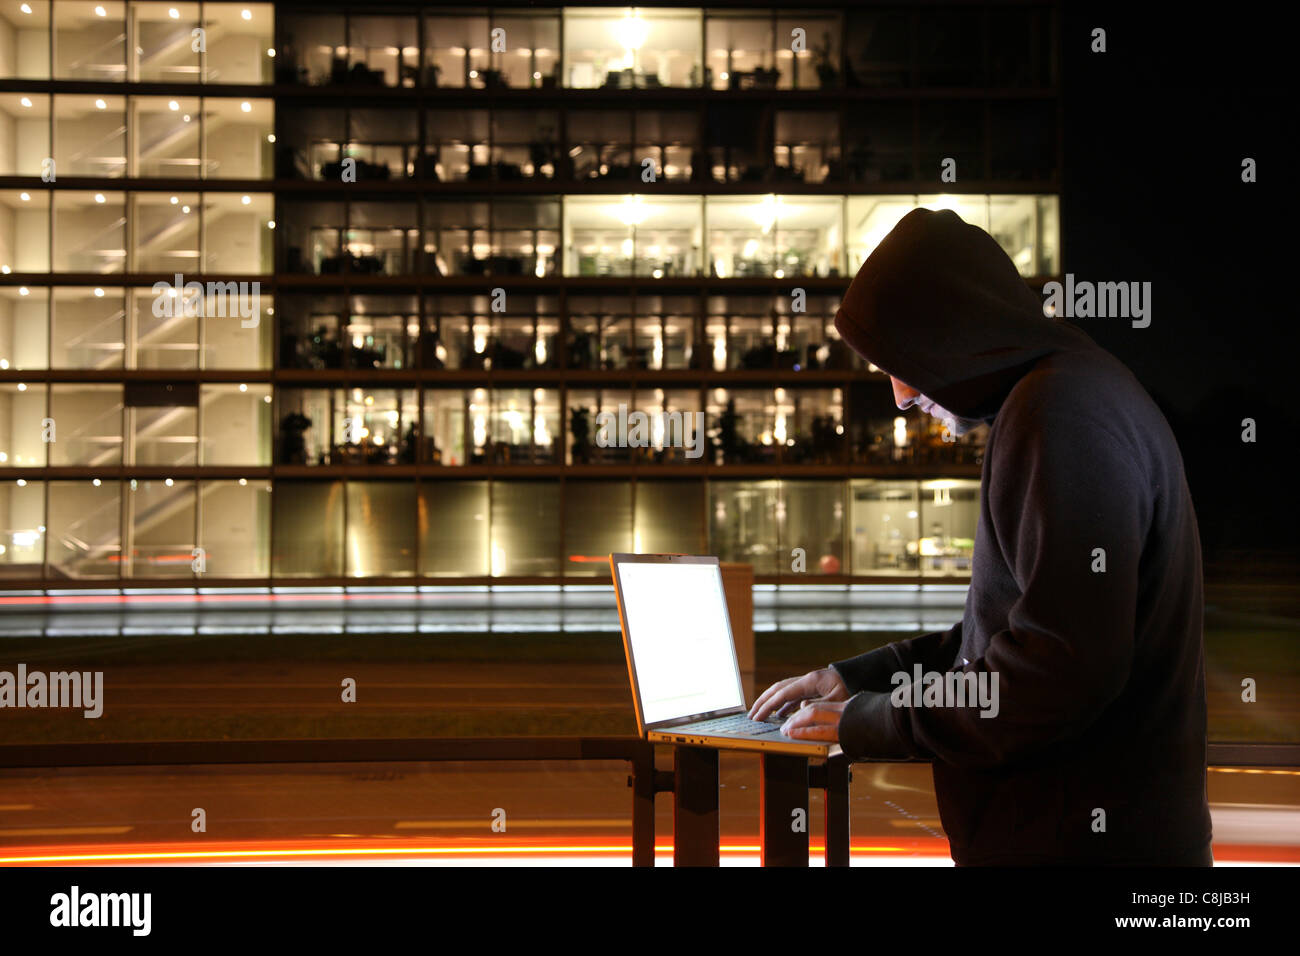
(681, 657)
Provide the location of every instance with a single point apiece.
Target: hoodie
(1085, 599)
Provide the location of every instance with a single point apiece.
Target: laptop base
(770, 743)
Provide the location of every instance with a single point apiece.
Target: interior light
(632, 212)
(630, 32)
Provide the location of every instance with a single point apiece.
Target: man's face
(905, 397)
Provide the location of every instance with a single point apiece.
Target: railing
(88, 431)
(84, 154)
(110, 343)
(79, 552)
(85, 258)
(172, 226)
(695, 810)
(179, 131)
(96, 70)
(178, 37)
(644, 780)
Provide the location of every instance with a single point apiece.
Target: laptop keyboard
(735, 724)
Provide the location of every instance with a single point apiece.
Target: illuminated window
(88, 46)
(307, 529)
(27, 115)
(884, 520)
(381, 529)
(235, 528)
(24, 328)
(23, 426)
(84, 529)
(743, 523)
(165, 48)
(632, 48)
(161, 530)
(632, 235)
(90, 421)
(597, 523)
(22, 527)
(25, 49)
(453, 523)
(90, 135)
(238, 50)
(236, 428)
(525, 528)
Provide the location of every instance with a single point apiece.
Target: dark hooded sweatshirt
(1085, 594)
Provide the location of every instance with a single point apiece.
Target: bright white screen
(677, 626)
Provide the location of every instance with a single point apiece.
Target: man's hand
(825, 684)
(815, 720)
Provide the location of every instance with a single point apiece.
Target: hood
(939, 306)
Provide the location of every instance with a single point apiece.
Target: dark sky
(1155, 132)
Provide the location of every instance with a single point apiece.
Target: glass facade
(301, 295)
(380, 528)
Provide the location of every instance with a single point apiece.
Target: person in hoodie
(1085, 594)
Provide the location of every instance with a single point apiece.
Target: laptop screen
(680, 639)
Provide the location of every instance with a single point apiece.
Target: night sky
(1155, 132)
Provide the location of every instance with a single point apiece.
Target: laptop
(681, 657)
